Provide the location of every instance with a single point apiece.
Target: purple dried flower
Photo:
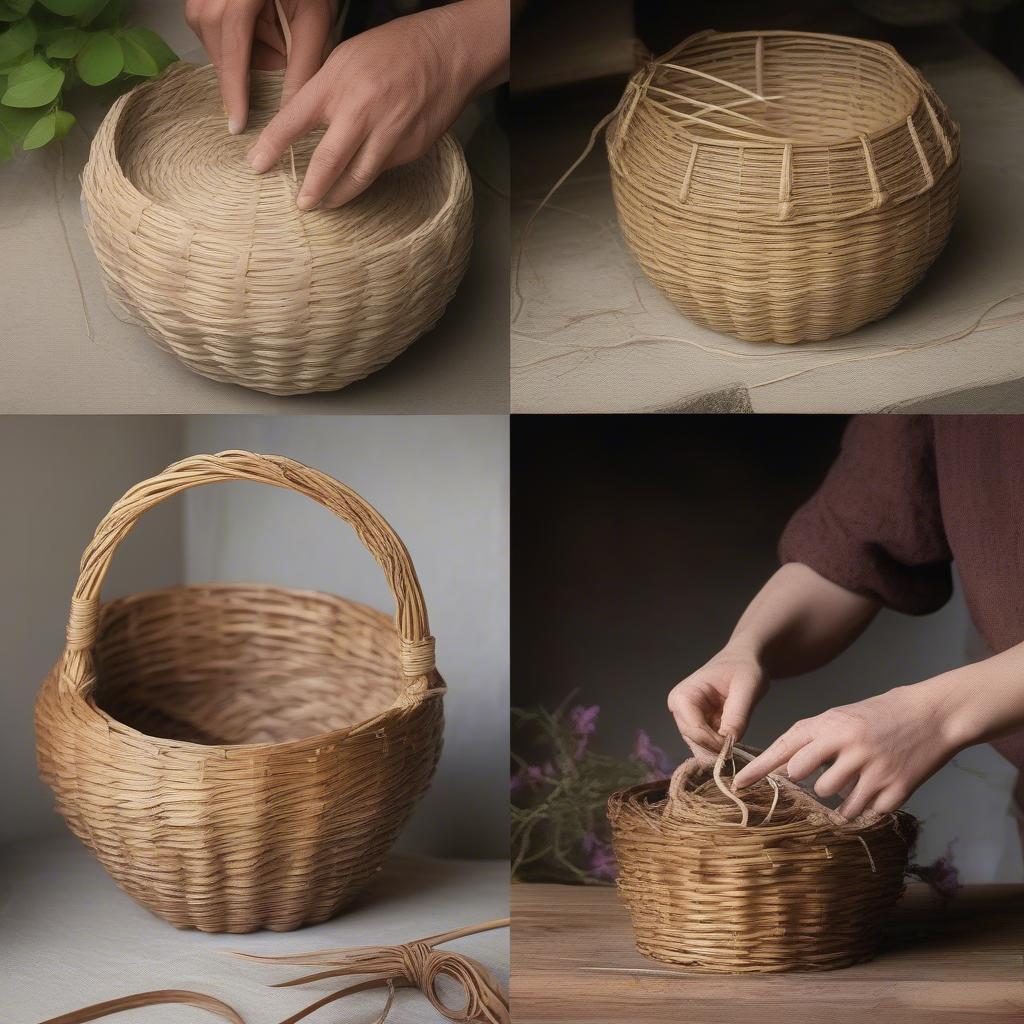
(600, 856)
(657, 762)
(584, 725)
(530, 775)
(941, 875)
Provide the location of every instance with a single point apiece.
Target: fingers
(859, 799)
(330, 160)
(842, 774)
(771, 759)
(233, 52)
(744, 690)
(294, 120)
(310, 28)
(359, 175)
(693, 728)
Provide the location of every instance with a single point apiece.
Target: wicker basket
(237, 756)
(222, 269)
(795, 217)
(772, 882)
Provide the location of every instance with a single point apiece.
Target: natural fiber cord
(222, 269)
(767, 879)
(238, 756)
(783, 186)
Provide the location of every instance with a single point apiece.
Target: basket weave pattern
(709, 888)
(237, 756)
(222, 269)
(782, 186)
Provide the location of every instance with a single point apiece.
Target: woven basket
(773, 882)
(222, 269)
(237, 756)
(794, 218)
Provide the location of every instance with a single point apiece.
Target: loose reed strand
(167, 997)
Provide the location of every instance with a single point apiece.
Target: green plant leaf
(6, 146)
(17, 123)
(152, 44)
(41, 132)
(67, 43)
(33, 84)
(18, 39)
(65, 122)
(15, 64)
(138, 61)
(67, 8)
(100, 60)
(13, 10)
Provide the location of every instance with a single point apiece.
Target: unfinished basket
(783, 186)
(774, 881)
(238, 756)
(222, 269)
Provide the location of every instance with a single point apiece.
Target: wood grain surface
(573, 962)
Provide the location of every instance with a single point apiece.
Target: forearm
(800, 621)
(982, 701)
(478, 35)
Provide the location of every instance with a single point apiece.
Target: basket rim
(410, 697)
(461, 179)
(637, 80)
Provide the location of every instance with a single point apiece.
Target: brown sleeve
(875, 524)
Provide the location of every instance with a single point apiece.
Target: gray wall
(442, 482)
(637, 543)
(61, 474)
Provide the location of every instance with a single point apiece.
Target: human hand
(717, 699)
(238, 34)
(883, 747)
(385, 96)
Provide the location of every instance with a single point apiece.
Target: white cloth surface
(594, 335)
(66, 348)
(69, 937)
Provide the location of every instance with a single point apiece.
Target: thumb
(744, 691)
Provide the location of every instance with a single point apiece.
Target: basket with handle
(764, 880)
(783, 186)
(222, 269)
(241, 757)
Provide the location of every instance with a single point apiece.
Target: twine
(220, 267)
(812, 220)
(765, 880)
(184, 728)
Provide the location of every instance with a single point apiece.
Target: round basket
(222, 269)
(237, 756)
(773, 882)
(783, 186)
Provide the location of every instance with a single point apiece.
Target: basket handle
(416, 645)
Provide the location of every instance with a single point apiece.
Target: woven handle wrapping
(416, 651)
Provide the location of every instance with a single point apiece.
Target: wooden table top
(960, 963)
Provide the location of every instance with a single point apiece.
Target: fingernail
(259, 159)
(236, 126)
(305, 202)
